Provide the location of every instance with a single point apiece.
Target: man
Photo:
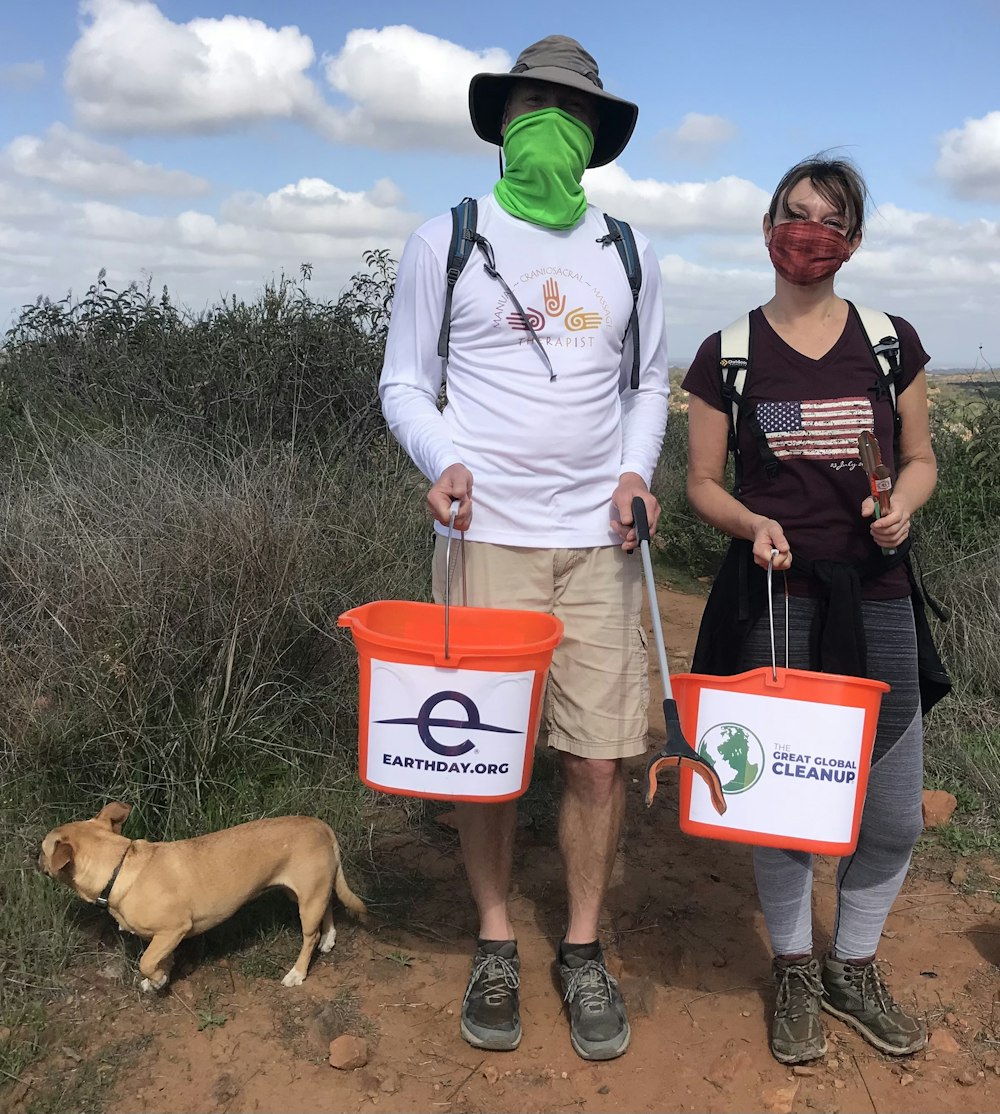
(544, 444)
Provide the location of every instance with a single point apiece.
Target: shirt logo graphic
(424, 722)
(575, 320)
(826, 430)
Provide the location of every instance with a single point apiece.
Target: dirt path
(682, 931)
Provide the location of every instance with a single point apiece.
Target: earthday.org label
(788, 767)
(458, 732)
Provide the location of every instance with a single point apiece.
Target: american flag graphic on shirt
(825, 430)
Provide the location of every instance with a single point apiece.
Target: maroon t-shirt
(811, 412)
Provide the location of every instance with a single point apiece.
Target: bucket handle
(770, 614)
(447, 575)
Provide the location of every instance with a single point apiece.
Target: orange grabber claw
(677, 752)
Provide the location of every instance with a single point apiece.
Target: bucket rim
(354, 618)
(711, 680)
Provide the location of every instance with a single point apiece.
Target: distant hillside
(959, 383)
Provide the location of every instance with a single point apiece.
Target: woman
(803, 498)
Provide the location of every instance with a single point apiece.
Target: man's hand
(631, 484)
(455, 482)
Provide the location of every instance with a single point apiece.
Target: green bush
(283, 366)
(958, 544)
(684, 541)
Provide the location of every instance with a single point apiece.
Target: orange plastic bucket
(793, 750)
(457, 725)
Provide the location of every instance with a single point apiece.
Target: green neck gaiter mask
(545, 153)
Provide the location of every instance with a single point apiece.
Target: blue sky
(211, 145)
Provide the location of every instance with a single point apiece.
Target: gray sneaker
(491, 1010)
(797, 1034)
(858, 996)
(598, 1024)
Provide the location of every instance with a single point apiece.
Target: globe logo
(735, 753)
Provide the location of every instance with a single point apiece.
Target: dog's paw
(327, 940)
(293, 978)
(151, 985)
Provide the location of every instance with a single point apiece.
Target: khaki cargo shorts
(598, 688)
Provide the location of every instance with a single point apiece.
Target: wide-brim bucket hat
(561, 61)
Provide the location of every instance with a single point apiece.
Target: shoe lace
(494, 977)
(873, 987)
(799, 988)
(592, 984)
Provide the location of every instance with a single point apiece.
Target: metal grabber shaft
(676, 751)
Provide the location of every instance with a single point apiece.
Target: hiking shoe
(598, 1024)
(797, 1034)
(490, 1008)
(858, 996)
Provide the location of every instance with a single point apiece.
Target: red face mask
(805, 252)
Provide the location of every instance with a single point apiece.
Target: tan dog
(165, 892)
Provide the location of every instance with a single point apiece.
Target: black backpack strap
(620, 234)
(464, 217)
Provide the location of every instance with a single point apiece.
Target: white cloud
(314, 205)
(726, 205)
(409, 88)
(24, 208)
(72, 161)
(700, 299)
(941, 275)
(977, 241)
(51, 246)
(698, 137)
(22, 75)
(133, 70)
(969, 158)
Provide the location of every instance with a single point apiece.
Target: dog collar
(106, 892)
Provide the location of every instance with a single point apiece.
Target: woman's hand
(892, 529)
(767, 537)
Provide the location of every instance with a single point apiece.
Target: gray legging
(869, 880)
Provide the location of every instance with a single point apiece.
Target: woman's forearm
(916, 482)
(714, 505)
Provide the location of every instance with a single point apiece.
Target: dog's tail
(348, 897)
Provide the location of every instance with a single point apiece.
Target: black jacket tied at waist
(837, 641)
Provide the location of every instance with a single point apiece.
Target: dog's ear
(116, 814)
(62, 855)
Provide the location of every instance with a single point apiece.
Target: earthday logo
(472, 723)
(735, 753)
(424, 721)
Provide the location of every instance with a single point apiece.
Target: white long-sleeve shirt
(545, 455)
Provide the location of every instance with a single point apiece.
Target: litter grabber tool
(676, 751)
(879, 477)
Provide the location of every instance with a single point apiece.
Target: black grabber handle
(641, 521)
